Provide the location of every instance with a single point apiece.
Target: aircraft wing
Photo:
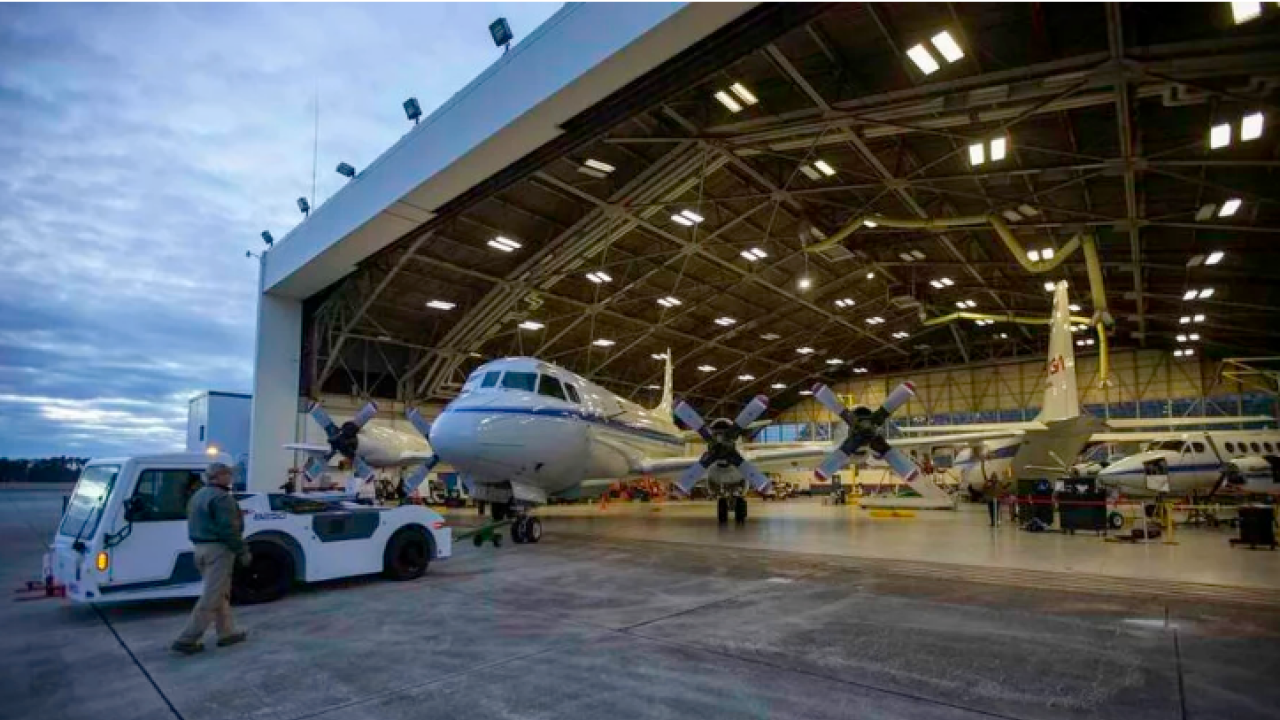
(1013, 427)
(1122, 423)
(310, 449)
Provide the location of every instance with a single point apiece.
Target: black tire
(407, 555)
(739, 510)
(477, 540)
(1115, 520)
(722, 510)
(268, 577)
(518, 530)
(499, 511)
(533, 530)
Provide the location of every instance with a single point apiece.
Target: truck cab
(124, 535)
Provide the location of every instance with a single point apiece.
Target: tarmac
(593, 624)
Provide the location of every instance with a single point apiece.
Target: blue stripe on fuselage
(1173, 469)
(578, 415)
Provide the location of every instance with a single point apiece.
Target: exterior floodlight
(412, 110)
(266, 238)
(346, 170)
(500, 31)
(304, 206)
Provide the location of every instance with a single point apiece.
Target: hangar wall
(1144, 383)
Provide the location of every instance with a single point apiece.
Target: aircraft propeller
(721, 437)
(866, 427)
(343, 440)
(412, 482)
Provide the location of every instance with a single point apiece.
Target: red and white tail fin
(1061, 400)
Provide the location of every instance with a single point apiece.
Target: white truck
(123, 536)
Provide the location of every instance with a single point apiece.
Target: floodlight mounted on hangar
(501, 33)
(412, 110)
(346, 170)
(304, 206)
(266, 238)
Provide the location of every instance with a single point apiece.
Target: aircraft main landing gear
(722, 510)
(525, 529)
(739, 510)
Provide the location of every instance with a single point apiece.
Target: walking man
(215, 527)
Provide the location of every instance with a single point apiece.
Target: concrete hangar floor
(632, 613)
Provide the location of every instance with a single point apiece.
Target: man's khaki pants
(215, 563)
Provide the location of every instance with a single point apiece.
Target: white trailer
(124, 535)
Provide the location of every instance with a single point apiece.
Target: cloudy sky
(142, 150)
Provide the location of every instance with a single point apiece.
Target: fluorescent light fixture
(659, 356)
(1251, 127)
(594, 164)
(845, 302)
(810, 172)
(902, 334)
(804, 283)
(1195, 261)
(824, 168)
(871, 276)
(998, 147)
(725, 321)
(691, 215)
(1220, 136)
(1033, 255)
(1205, 212)
(707, 368)
(779, 386)
(1189, 295)
(728, 101)
(1079, 343)
(441, 304)
(1028, 210)
(920, 55)
(504, 244)
(592, 173)
(906, 257)
(1182, 338)
(1003, 336)
(834, 361)
(947, 46)
(669, 301)
(652, 387)
(1184, 319)
(745, 377)
(1205, 293)
(805, 350)
(1194, 337)
(599, 276)
(946, 281)
(1214, 258)
(1047, 253)
(1229, 208)
(936, 284)
(770, 336)
(1073, 307)
(682, 220)
(1010, 215)
(917, 254)
(754, 254)
(745, 95)
(806, 392)
(1177, 353)
(870, 223)
(1198, 319)
(531, 325)
(602, 342)
(1048, 287)
(1243, 12)
(1188, 352)
(875, 320)
(977, 154)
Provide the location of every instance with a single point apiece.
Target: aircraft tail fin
(668, 392)
(1061, 399)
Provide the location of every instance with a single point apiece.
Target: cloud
(142, 150)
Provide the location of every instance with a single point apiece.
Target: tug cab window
(520, 381)
(490, 379)
(551, 387)
(163, 494)
(573, 393)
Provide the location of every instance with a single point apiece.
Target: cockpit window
(1174, 445)
(551, 387)
(520, 381)
(573, 393)
(491, 378)
(1199, 447)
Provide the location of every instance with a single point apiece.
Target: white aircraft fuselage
(1194, 462)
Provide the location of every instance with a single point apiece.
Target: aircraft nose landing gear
(738, 504)
(525, 529)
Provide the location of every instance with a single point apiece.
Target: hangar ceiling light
(876, 320)
(728, 101)
(707, 368)
(860, 370)
(659, 356)
(504, 244)
(871, 276)
(1028, 210)
(531, 325)
(806, 350)
(1243, 12)
(845, 302)
(770, 336)
(947, 46)
(779, 386)
(599, 276)
(870, 223)
(834, 361)
(725, 321)
(669, 301)
(1003, 336)
(806, 392)
(1214, 258)
(1073, 307)
(1229, 208)
(754, 254)
(995, 150)
(1251, 127)
(746, 96)
(804, 283)
(602, 342)
(902, 335)
(746, 377)
(600, 165)
(1220, 136)
(1048, 286)
(920, 55)
(441, 305)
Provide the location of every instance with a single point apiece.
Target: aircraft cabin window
(1198, 446)
(573, 393)
(1255, 447)
(520, 381)
(551, 387)
(491, 379)
(1267, 447)
(1231, 447)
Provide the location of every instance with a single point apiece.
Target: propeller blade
(412, 482)
(824, 395)
(314, 469)
(366, 414)
(689, 416)
(362, 468)
(322, 419)
(902, 464)
(758, 480)
(419, 423)
(833, 464)
(690, 477)
(898, 397)
(753, 410)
